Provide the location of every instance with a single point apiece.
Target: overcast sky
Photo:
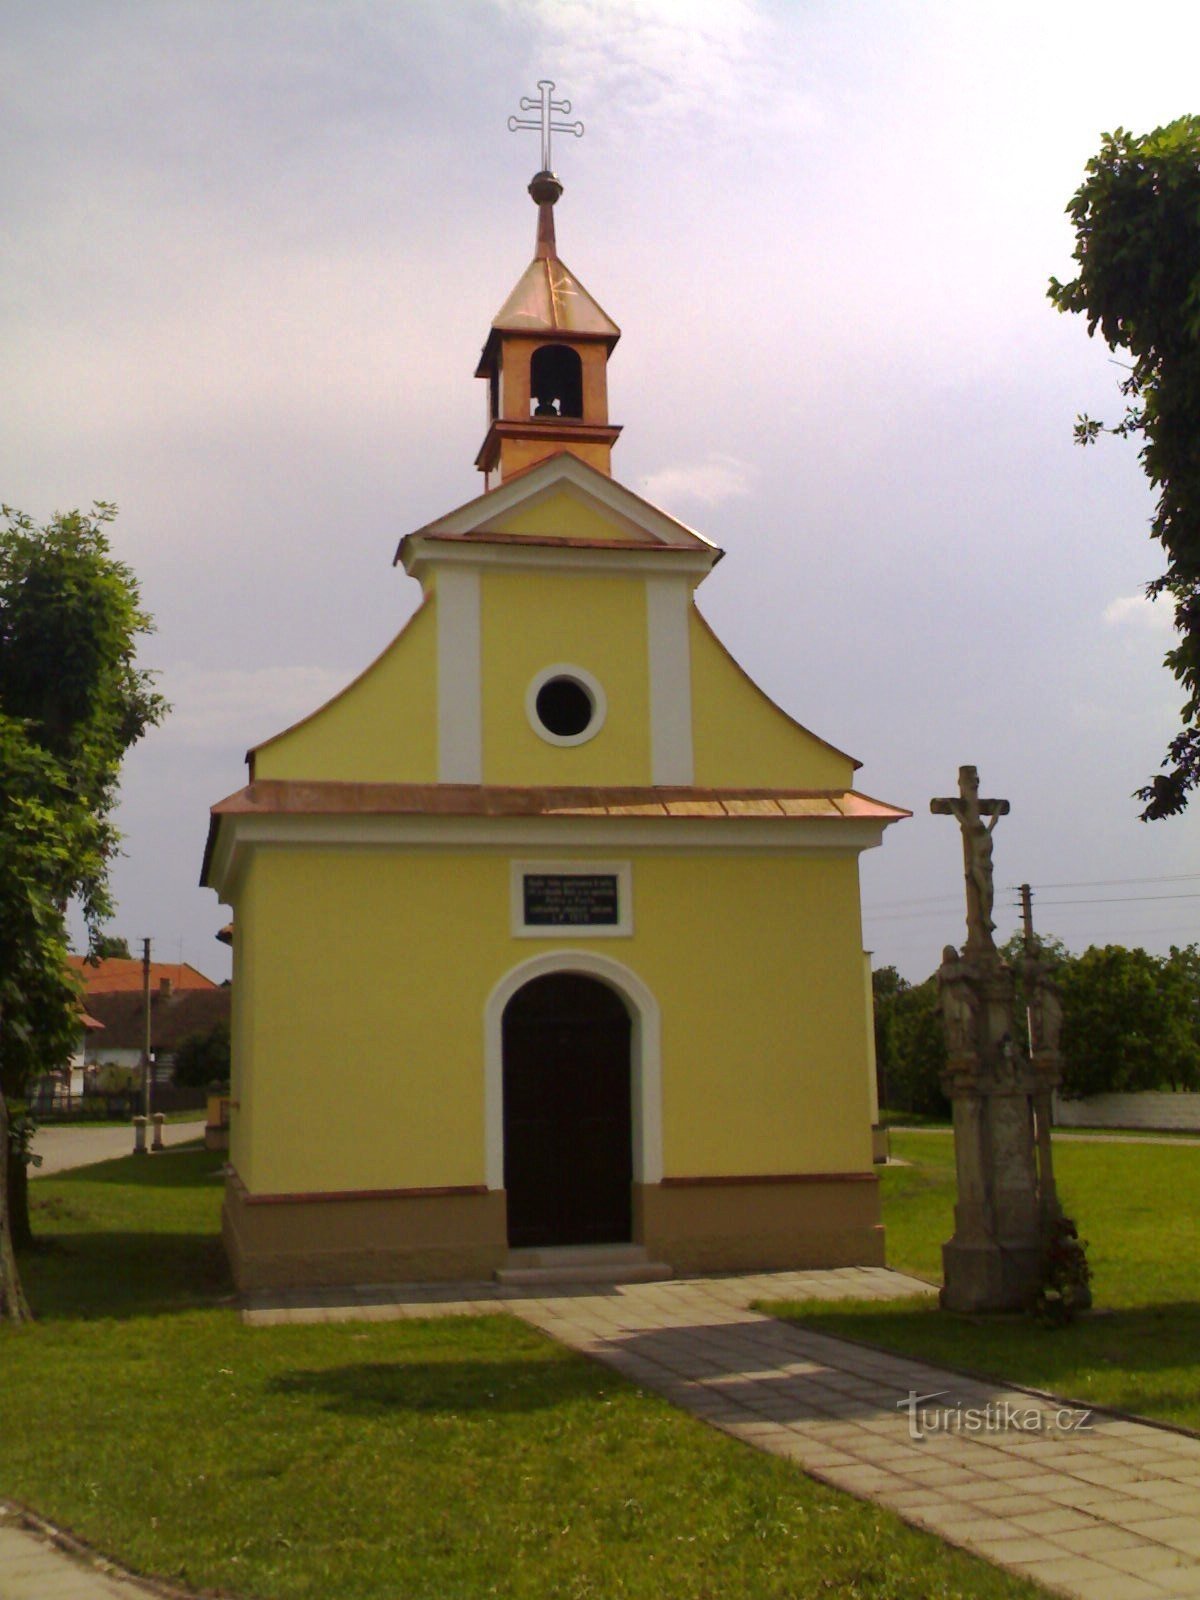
(250, 252)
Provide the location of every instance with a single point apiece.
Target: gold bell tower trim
(546, 355)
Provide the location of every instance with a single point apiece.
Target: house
(548, 925)
(175, 1015)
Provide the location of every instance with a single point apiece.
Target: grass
(448, 1459)
(1136, 1205)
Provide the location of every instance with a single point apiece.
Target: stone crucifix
(970, 811)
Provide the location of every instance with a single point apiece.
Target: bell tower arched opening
(556, 381)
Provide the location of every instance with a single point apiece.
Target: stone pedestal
(1007, 1202)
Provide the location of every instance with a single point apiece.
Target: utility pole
(1027, 916)
(147, 1070)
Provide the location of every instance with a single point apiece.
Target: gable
(535, 499)
(740, 736)
(563, 514)
(381, 728)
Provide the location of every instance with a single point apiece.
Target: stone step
(597, 1272)
(578, 1255)
(582, 1263)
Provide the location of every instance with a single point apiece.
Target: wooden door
(568, 1146)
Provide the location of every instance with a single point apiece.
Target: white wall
(1160, 1109)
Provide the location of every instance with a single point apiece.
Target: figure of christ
(970, 812)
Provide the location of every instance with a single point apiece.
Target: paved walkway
(1092, 1506)
(62, 1148)
(33, 1568)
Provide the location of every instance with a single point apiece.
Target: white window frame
(587, 682)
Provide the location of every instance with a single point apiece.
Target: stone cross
(545, 106)
(970, 811)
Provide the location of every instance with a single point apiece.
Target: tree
(204, 1058)
(72, 701)
(1129, 1022)
(910, 1052)
(1137, 232)
(107, 945)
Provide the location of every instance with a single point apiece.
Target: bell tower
(546, 355)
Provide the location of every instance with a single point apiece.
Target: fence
(57, 1105)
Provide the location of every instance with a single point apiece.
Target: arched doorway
(568, 1138)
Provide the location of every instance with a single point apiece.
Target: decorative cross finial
(544, 123)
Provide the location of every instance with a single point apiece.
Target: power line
(1118, 899)
(1111, 883)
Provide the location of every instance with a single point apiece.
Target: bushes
(1130, 1021)
(910, 1052)
(203, 1058)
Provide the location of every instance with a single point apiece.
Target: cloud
(242, 706)
(677, 63)
(1139, 611)
(705, 483)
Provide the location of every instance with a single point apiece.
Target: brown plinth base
(318, 1241)
(694, 1225)
(990, 1277)
(761, 1224)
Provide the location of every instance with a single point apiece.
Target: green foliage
(111, 1078)
(1066, 1276)
(910, 1052)
(1130, 1021)
(107, 945)
(71, 703)
(1137, 230)
(204, 1058)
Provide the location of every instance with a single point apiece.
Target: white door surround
(645, 1055)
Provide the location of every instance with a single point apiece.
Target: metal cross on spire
(546, 106)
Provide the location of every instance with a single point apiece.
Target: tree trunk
(13, 1305)
(19, 1226)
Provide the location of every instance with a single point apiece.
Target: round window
(565, 705)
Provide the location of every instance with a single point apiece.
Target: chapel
(547, 937)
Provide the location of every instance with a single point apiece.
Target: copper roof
(275, 796)
(560, 541)
(548, 298)
(292, 797)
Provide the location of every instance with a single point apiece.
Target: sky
(251, 250)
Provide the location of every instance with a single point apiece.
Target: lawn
(444, 1459)
(1136, 1205)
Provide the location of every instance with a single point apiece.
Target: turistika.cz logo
(997, 1416)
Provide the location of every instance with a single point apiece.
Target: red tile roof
(116, 973)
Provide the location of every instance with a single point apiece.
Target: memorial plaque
(571, 900)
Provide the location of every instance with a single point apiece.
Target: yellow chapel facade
(547, 929)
